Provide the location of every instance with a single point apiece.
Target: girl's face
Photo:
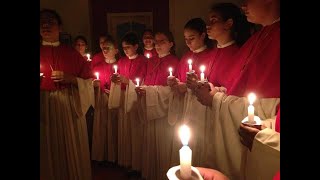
(216, 26)
(49, 28)
(80, 46)
(129, 49)
(254, 10)
(108, 49)
(193, 39)
(162, 44)
(148, 40)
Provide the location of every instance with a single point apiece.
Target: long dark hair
(241, 27)
(199, 25)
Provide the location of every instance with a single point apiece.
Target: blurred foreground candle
(202, 68)
(88, 56)
(115, 69)
(251, 98)
(97, 75)
(170, 71)
(185, 153)
(148, 55)
(138, 80)
(190, 65)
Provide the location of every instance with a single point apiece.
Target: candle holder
(256, 122)
(174, 174)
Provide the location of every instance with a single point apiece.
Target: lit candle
(190, 65)
(137, 79)
(97, 75)
(148, 55)
(41, 74)
(88, 56)
(115, 69)
(251, 98)
(202, 68)
(185, 153)
(170, 71)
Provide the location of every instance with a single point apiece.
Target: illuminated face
(216, 26)
(254, 10)
(147, 39)
(49, 28)
(162, 44)
(129, 49)
(108, 49)
(193, 39)
(80, 46)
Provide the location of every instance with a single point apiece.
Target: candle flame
(88, 55)
(184, 133)
(190, 61)
(251, 98)
(115, 66)
(97, 75)
(170, 69)
(202, 68)
(148, 55)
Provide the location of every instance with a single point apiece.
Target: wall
(180, 13)
(160, 9)
(74, 14)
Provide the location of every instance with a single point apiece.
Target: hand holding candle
(185, 153)
(138, 80)
(190, 65)
(97, 75)
(115, 69)
(251, 98)
(202, 68)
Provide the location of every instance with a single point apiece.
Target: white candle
(190, 65)
(202, 68)
(148, 55)
(97, 75)
(185, 153)
(88, 56)
(170, 71)
(137, 79)
(115, 69)
(251, 98)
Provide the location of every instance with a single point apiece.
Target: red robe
(258, 70)
(132, 68)
(63, 58)
(105, 71)
(97, 58)
(152, 52)
(198, 59)
(158, 69)
(221, 62)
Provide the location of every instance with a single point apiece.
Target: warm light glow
(97, 75)
(202, 68)
(148, 55)
(184, 133)
(170, 70)
(251, 98)
(41, 74)
(88, 55)
(138, 80)
(115, 69)
(190, 65)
